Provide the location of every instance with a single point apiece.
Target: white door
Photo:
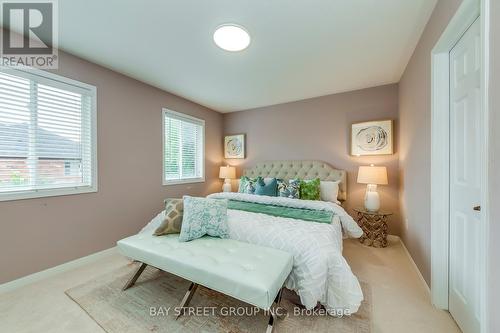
(465, 180)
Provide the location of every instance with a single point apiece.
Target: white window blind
(184, 141)
(47, 135)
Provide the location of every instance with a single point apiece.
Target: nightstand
(374, 226)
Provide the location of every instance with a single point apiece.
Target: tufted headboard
(300, 169)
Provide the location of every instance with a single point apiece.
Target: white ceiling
(300, 49)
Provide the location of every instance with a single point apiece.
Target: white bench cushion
(250, 273)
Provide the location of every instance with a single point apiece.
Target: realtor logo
(29, 34)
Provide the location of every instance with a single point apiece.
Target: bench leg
(187, 298)
(278, 303)
(278, 298)
(273, 316)
(134, 278)
(270, 323)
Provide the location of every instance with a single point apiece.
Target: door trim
(467, 13)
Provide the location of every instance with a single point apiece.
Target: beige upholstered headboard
(300, 169)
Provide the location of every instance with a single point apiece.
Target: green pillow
(248, 185)
(310, 189)
(202, 217)
(269, 189)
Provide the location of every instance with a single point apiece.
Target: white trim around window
(88, 130)
(198, 153)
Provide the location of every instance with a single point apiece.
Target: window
(183, 148)
(47, 135)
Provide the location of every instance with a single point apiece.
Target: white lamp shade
(376, 175)
(227, 172)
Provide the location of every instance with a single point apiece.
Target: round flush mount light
(231, 37)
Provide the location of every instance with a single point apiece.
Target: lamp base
(226, 187)
(372, 198)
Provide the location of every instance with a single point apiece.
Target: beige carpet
(130, 311)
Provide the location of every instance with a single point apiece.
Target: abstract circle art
(234, 146)
(372, 138)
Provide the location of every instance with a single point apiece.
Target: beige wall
(40, 233)
(415, 139)
(414, 100)
(319, 128)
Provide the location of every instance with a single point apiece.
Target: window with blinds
(47, 135)
(183, 148)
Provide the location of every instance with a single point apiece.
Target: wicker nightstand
(374, 225)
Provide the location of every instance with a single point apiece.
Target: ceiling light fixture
(231, 37)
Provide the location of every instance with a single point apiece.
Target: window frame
(201, 179)
(53, 80)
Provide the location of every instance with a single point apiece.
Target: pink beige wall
(319, 129)
(40, 233)
(415, 139)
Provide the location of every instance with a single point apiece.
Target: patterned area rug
(151, 305)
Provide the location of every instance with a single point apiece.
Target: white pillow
(329, 191)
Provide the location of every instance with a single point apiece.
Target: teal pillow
(248, 185)
(202, 217)
(310, 189)
(289, 189)
(270, 189)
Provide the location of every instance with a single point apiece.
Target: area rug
(151, 305)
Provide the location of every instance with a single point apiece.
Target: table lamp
(228, 173)
(372, 176)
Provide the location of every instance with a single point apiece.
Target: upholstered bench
(248, 272)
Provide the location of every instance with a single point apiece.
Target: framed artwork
(234, 146)
(372, 138)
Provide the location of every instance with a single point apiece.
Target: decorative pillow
(329, 191)
(247, 185)
(310, 189)
(204, 216)
(269, 188)
(173, 218)
(290, 189)
(267, 180)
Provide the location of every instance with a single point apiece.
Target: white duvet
(320, 273)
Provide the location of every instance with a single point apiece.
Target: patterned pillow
(310, 189)
(173, 218)
(204, 216)
(248, 185)
(290, 189)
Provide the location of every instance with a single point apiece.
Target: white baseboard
(397, 238)
(21, 282)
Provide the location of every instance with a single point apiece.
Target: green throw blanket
(320, 216)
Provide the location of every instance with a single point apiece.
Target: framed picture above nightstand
(372, 138)
(234, 146)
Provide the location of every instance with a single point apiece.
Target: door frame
(465, 16)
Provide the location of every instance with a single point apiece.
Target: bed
(320, 273)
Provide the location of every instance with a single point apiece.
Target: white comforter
(320, 272)
(350, 227)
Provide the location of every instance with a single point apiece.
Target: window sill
(183, 181)
(33, 194)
